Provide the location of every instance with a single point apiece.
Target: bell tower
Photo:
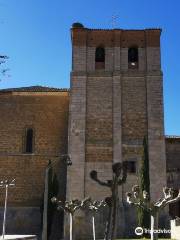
(116, 99)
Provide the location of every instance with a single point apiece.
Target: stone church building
(115, 99)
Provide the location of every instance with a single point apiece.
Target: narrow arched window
(29, 140)
(100, 58)
(133, 57)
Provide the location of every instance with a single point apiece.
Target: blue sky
(35, 34)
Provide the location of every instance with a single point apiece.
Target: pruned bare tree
(69, 207)
(134, 198)
(94, 207)
(119, 177)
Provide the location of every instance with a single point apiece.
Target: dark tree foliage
(53, 187)
(3, 70)
(144, 185)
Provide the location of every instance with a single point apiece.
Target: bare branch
(175, 199)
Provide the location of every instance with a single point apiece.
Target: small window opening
(133, 58)
(29, 140)
(100, 58)
(131, 166)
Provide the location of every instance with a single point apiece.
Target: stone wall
(173, 152)
(173, 175)
(22, 220)
(134, 113)
(173, 163)
(76, 140)
(47, 114)
(99, 119)
(112, 109)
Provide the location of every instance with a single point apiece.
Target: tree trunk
(114, 217)
(108, 225)
(154, 226)
(114, 207)
(94, 231)
(71, 226)
(45, 207)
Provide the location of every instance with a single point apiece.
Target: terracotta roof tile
(34, 89)
(120, 29)
(172, 137)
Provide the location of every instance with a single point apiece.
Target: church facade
(115, 100)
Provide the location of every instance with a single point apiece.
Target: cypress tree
(52, 192)
(144, 184)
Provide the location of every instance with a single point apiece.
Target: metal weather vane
(114, 19)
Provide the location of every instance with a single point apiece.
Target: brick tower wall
(112, 109)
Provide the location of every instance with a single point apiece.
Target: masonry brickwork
(117, 107)
(173, 170)
(139, 98)
(173, 163)
(102, 120)
(47, 114)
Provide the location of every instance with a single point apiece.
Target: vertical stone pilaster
(156, 141)
(117, 58)
(109, 58)
(117, 140)
(79, 58)
(153, 58)
(117, 134)
(124, 59)
(76, 146)
(91, 58)
(117, 51)
(142, 59)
